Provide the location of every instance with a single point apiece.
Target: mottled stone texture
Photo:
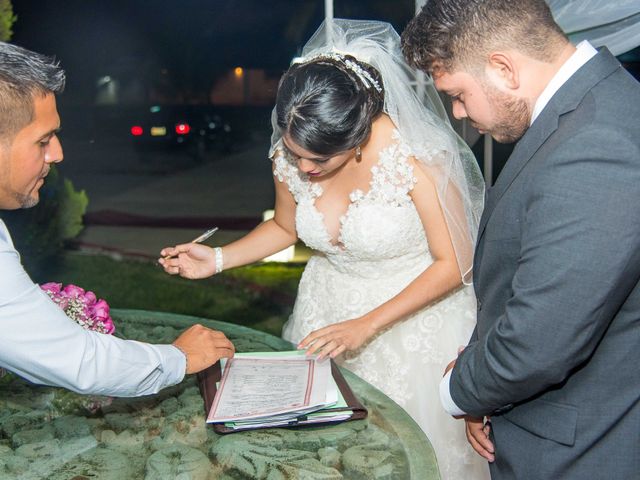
(55, 434)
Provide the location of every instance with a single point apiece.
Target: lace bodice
(380, 225)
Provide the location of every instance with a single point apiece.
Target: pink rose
(87, 312)
(73, 291)
(90, 298)
(101, 310)
(109, 327)
(51, 287)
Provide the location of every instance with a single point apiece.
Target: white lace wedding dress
(382, 247)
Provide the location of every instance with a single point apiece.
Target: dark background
(179, 49)
(178, 45)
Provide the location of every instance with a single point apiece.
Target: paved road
(170, 191)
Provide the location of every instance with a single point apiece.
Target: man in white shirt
(37, 340)
(553, 360)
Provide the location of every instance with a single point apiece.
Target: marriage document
(255, 387)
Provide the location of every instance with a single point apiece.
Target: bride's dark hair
(325, 107)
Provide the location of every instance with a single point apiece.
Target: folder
(209, 378)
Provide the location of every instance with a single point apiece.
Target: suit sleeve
(40, 343)
(579, 260)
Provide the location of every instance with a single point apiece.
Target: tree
(7, 18)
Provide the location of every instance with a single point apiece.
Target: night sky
(192, 41)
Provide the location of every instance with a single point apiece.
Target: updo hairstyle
(325, 107)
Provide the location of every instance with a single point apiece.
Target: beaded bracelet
(219, 259)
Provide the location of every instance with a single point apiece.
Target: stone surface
(178, 461)
(71, 426)
(30, 436)
(55, 434)
(102, 463)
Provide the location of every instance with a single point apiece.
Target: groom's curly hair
(450, 34)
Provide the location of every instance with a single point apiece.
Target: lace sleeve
(393, 178)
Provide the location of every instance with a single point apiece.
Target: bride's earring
(358, 154)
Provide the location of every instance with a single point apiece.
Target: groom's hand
(478, 436)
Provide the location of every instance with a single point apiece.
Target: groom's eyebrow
(49, 134)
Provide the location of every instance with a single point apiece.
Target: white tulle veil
(422, 123)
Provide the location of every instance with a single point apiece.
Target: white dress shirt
(584, 52)
(40, 343)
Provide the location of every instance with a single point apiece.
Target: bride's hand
(189, 260)
(335, 339)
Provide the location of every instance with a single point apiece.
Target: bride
(375, 181)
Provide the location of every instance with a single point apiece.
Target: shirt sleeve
(40, 343)
(445, 397)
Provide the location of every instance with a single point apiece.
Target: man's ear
(503, 70)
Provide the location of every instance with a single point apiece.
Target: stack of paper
(272, 389)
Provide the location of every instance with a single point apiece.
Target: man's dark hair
(450, 34)
(23, 75)
(325, 107)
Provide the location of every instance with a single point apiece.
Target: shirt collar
(4, 234)
(584, 52)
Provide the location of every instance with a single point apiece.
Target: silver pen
(198, 239)
(205, 235)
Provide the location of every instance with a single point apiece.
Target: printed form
(276, 386)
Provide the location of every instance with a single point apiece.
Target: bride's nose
(305, 165)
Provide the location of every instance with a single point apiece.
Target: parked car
(197, 130)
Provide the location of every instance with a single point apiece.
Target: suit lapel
(528, 145)
(566, 99)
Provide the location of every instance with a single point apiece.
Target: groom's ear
(503, 70)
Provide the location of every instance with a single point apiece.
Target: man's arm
(40, 343)
(579, 259)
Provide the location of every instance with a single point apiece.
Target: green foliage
(73, 205)
(283, 277)
(7, 19)
(40, 233)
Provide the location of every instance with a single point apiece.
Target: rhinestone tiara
(365, 77)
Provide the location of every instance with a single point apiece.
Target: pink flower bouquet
(81, 306)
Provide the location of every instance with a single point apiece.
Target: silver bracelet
(219, 259)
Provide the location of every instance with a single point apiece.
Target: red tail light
(183, 128)
(136, 130)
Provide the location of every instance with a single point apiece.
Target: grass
(258, 296)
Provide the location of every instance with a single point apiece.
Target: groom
(554, 358)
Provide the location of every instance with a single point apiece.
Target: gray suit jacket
(555, 359)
